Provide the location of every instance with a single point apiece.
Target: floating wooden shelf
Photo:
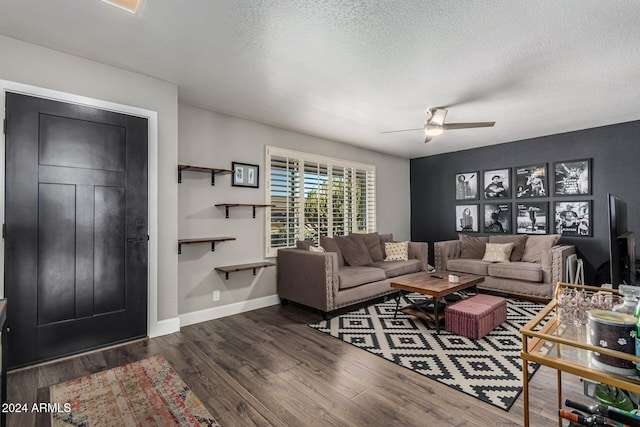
(233, 205)
(213, 241)
(226, 269)
(212, 171)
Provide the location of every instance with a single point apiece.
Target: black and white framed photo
(531, 181)
(531, 217)
(572, 178)
(467, 186)
(573, 218)
(497, 218)
(497, 184)
(244, 175)
(467, 218)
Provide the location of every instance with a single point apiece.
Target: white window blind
(316, 196)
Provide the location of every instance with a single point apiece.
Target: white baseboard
(227, 310)
(165, 327)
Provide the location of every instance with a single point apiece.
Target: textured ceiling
(347, 70)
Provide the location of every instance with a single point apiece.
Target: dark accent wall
(615, 151)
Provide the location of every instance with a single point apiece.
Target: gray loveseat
(352, 270)
(535, 265)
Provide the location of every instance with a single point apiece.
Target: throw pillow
(372, 242)
(396, 251)
(498, 252)
(537, 246)
(471, 246)
(304, 244)
(316, 249)
(354, 250)
(384, 238)
(330, 245)
(518, 244)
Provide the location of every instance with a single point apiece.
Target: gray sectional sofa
(534, 266)
(351, 270)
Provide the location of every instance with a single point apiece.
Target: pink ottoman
(476, 316)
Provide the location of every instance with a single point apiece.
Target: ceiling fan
(434, 125)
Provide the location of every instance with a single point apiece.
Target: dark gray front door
(76, 228)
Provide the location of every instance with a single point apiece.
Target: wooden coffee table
(437, 286)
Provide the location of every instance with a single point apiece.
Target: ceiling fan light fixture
(130, 6)
(432, 131)
(434, 125)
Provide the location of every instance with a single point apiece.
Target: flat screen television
(622, 245)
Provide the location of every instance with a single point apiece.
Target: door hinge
(4, 126)
(4, 230)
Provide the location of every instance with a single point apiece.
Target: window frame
(352, 172)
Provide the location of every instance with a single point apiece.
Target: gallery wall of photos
(532, 199)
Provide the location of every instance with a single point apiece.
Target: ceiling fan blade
(403, 130)
(468, 125)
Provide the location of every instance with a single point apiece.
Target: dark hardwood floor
(268, 368)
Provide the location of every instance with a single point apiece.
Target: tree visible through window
(316, 196)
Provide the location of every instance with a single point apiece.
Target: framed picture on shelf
(531, 181)
(531, 217)
(497, 218)
(572, 178)
(244, 175)
(573, 218)
(467, 186)
(497, 184)
(467, 218)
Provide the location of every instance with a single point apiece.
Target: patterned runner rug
(143, 393)
(489, 369)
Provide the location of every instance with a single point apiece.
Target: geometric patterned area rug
(489, 369)
(143, 393)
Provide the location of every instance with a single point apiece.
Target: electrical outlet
(216, 295)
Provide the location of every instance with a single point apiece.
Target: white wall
(185, 284)
(37, 66)
(215, 140)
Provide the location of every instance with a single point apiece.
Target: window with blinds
(315, 196)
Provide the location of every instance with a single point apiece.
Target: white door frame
(153, 328)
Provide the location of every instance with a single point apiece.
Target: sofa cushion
(518, 244)
(472, 246)
(537, 246)
(372, 242)
(353, 250)
(498, 252)
(471, 266)
(518, 287)
(396, 251)
(349, 277)
(384, 238)
(398, 268)
(329, 244)
(529, 271)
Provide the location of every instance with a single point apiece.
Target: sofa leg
(327, 316)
